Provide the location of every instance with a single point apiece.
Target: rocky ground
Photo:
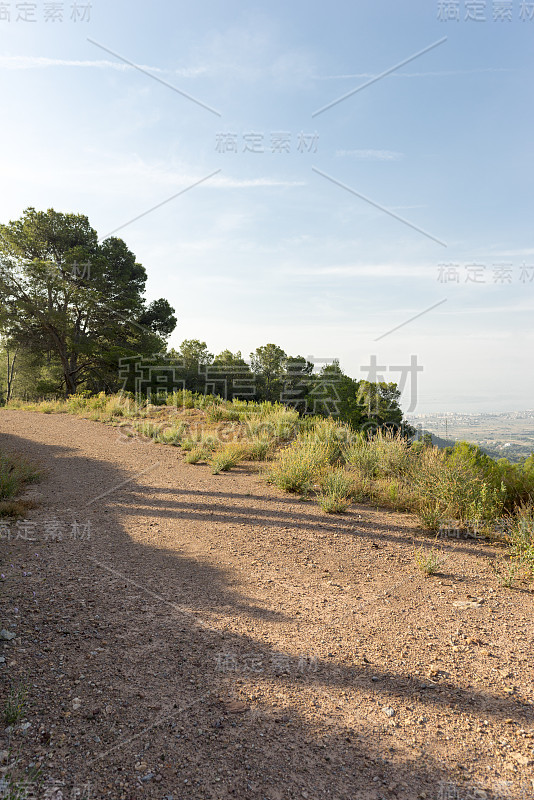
(184, 635)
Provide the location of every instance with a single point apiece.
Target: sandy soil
(186, 635)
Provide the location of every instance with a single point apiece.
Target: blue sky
(271, 248)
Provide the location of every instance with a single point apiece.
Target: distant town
(504, 435)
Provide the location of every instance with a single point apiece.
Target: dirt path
(186, 635)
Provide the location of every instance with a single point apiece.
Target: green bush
(15, 704)
(337, 488)
(363, 456)
(521, 537)
(259, 449)
(297, 467)
(149, 429)
(430, 515)
(220, 414)
(210, 443)
(459, 483)
(195, 455)
(15, 472)
(227, 457)
(334, 436)
(172, 435)
(428, 561)
(393, 452)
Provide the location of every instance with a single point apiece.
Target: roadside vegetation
(458, 489)
(15, 474)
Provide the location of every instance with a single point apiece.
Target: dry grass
(315, 454)
(228, 456)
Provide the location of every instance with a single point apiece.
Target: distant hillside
(511, 452)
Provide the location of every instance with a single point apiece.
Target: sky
(349, 180)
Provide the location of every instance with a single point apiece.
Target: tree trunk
(68, 375)
(10, 374)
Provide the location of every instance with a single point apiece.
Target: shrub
(362, 489)
(298, 466)
(51, 407)
(336, 491)
(227, 457)
(209, 442)
(521, 537)
(220, 414)
(259, 449)
(518, 480)
(332, 504)
(335, 437)
(15, 472)
(148, 429)
(458, 484)
(283, 423)
(427, 561)
(183, 398)
(172, 435)
(393, 454)
(15, 704)
(362, 455)
(430, 516)
(394, 493)
(337, 481)
(195, 455)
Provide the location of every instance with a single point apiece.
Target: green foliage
(364, 405)
(460, 483)
(15, 473)
(273, 422)
(297, 467)
(267, 365)
(521, 537)
(363, 456)
(227, 457)
(69, 298)
(335, 437)
(427, 561)
(172, 435)
(15, 704)
(259, 449)
(195, 455)
(149, 429)
(506, 571)
(337, 488)
(430, 515)
(393, 453)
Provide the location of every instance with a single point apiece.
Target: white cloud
(122, 177)
(42, 62)
(441, 73)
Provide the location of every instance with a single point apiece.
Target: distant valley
(509, 435)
